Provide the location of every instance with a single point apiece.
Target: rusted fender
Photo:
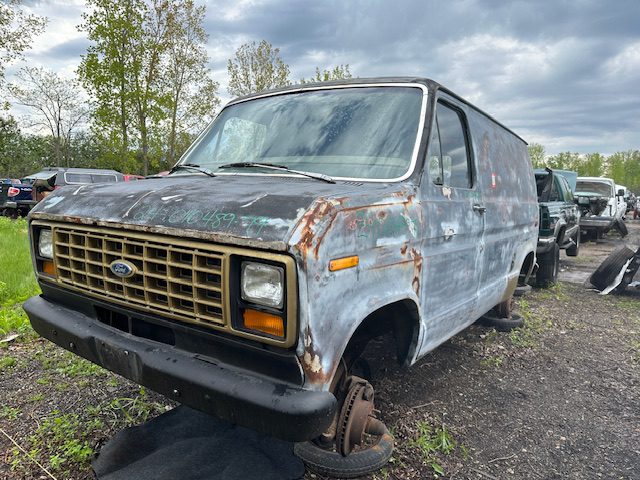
(384, 231)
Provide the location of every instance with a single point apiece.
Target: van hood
(246, 210)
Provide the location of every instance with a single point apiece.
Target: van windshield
(367, 133)
(594, 188)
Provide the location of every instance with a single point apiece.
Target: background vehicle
(13, 194)
(601, 206)
(559, 222)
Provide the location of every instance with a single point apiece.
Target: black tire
(522, 290)
(574, 249)
(621, 227)
(548, 265)
(332, 464)
(490, 319)
(608, 270)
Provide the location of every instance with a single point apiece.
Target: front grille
(172, 280)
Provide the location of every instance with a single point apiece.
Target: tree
(193, 93)
(564, 161)
(339, 72)
(536, 152)
(58, 107)
(17, 30)
(256, 68)
(147, 69)
(592, 165)
(106, 71)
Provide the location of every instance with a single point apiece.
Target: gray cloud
(561, 72)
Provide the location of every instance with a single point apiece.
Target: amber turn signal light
(48, 268)
(263, 322)
(342, 263)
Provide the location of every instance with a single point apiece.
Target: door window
(448, 156)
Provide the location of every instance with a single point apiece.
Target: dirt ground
(556, 399)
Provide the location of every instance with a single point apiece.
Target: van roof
(430, 84)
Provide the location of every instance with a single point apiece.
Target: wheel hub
(356, 411)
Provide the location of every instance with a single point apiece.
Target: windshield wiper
(274, 166)
(192, 166)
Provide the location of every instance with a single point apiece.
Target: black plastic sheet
(184, 444)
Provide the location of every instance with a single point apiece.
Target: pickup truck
(602, 206)
(559, 222)
(12, 195)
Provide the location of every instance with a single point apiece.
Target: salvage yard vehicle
(13, 194)
(559, 222)
(601, 206)
(301, 224)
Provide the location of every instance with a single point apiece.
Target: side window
(448, 156)
(554, 196)
(568, 194)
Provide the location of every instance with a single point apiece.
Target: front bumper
(205, 383)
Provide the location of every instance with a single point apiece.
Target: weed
(528, 336)
(494, 361)
(431, 442)
(61, 441)
(10, 413)
(7, 362)
(135, 410)
(37, 397)
(67, 364)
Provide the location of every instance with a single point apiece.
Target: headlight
(45, 244)
(262, 284)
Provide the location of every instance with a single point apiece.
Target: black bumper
(236, 395)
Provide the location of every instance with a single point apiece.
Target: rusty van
(302, 223)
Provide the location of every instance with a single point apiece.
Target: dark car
(559, 222)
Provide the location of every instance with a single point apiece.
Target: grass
(432, 441)
(17, 280)
(61, 441)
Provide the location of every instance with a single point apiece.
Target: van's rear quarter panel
(505, 178)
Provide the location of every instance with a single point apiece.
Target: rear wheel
(574, 249)
(548, 265)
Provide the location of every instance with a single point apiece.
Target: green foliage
(536, 152)
(432, 441)
(256, 67)
(339, 72)
(7, 362)
(17, 280)
(147, 70)
(17, 30)
(136, 410)
(67, 363)
(61, 442)
(9, 413)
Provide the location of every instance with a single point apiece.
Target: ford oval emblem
(122, 268)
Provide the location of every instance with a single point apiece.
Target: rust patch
(403, 249)
(382, 215)
(308, 222)
(311, 362)
(417, 270)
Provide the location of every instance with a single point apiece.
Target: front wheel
(548, 266)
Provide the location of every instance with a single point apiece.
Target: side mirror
(621, 193)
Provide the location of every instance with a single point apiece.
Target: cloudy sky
(565, 74)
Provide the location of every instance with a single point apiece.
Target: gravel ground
(555, 399)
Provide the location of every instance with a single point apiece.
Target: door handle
(479, 208)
